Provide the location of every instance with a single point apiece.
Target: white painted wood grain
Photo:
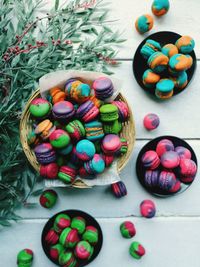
(168, 242)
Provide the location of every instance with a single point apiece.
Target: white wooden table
(172, 238)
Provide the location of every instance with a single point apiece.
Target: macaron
(51, 237)
(170, 159)
(55, 251)
(150, 160)
(136, 250)
(151, 121)
(59, 138)
(144, 23)
(48, 199)
(127, 229)
(183, 152)
(63, 110)
(25, 257)
(123, 110)
(91, 235)
(44, 129)
(150, 78)
(160, 7)
(80, 93)
(169, 50)
(158, 62)
(49, 171)
(57, 95)
(45, 153)
(103, 88)
(87, 111)
(67, 174)
(187, 170)
(79, 224)
(113, 127)
(149, 48)
(83, 250)
(176, 187)
(94, 130)
(108, 113)
(85, 150)
(119, 189)
(180, 62)
(75, 130)
(124, 146)
(97, 102)
(111, 144)
(74, 159)
(61, 222)
(69, 238)
(33, 139)
(151, 178)
(40, 108)
(164, 89)
(185, 44)
(68, 85)
(108, 159)
(65, 150)
(147, 209)
(167, 180)
(67, 259)
(163, 146)
(181, 80)
(85, 174)
(96, 165)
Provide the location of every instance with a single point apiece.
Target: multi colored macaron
(66, 258)
(127, 229)
(150, 78)
(25, 257)
(33, 139)
(163, 146)
(151, 121)
(69, 238)
(63, 110)
(183, 152)
(151, 178)
(94, 130)
(164, 89)
(49, 171)
(158, 62)
(124, 146)
(45, 153)
(187, 170)
(80, 93)
(79, 224)
(147, 209)
(61, 222)
(83, 250)
(149, 48)
(91, 235)
(160, 7)
(59, 138)
(67, 174)
(180, 62)
(181, 80)
(123, 110)
(76, 130)
(51, 237)
(108, 159)
(170, 159)
(144, 23)
(44, 129)
(136, 250)
(150, 160)
(111, 144)
(85, 150)
(169, 50)
(96, 165)
(55, 251)
(167, 180)
(185, 44)
(48, 199)
(87, 111)
(119, 189)
(103, 88)
(40, 108)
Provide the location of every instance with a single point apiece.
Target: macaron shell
(39, 107)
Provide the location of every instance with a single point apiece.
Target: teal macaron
(85, 150)
(181, 80)
(164, 89)
(94, 130)
(149, 48)
(158, 62)
(108, 113)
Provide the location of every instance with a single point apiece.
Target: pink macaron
(187, 170)
(163, 146)
(183, 152)
(150, 160)
(111, 144)
(151, 121)
(123, 110)
(170, 159)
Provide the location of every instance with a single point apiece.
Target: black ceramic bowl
(140, 64)
(140, 170)
(89, 221)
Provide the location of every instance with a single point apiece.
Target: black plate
(140, 64)
(89, 221)
(140, 170)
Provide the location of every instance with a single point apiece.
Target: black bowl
(89, 221)
(140, 64)
(140, 170)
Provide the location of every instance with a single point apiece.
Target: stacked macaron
(75, 132)
(167, 66)
(71, 240)
(168, 167)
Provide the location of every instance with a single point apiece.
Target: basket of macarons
(75, 126)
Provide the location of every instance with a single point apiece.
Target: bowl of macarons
(164, 64)
(77, 130)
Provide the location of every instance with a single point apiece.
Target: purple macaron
(45, 153)
(119, 189)
(87, 111)
(167, 180)
(151, 178)
(63, 110)
(68, 85)
(183, 152)
(103, 88)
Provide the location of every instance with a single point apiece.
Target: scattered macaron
(151, 121)
(25, 258)
(127, 229)
(144, 23)
(160, 7)
(136, 250)
(147, 208)
(119, 189)
(48, 199)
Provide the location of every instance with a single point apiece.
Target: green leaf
(5, 222)
(32, 60)
(15, 60)
(57, 4)
(37, 192)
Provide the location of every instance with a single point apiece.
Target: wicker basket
(128, 132)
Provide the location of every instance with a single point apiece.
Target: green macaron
(25, 258)
(113, 127)
(108, 113)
